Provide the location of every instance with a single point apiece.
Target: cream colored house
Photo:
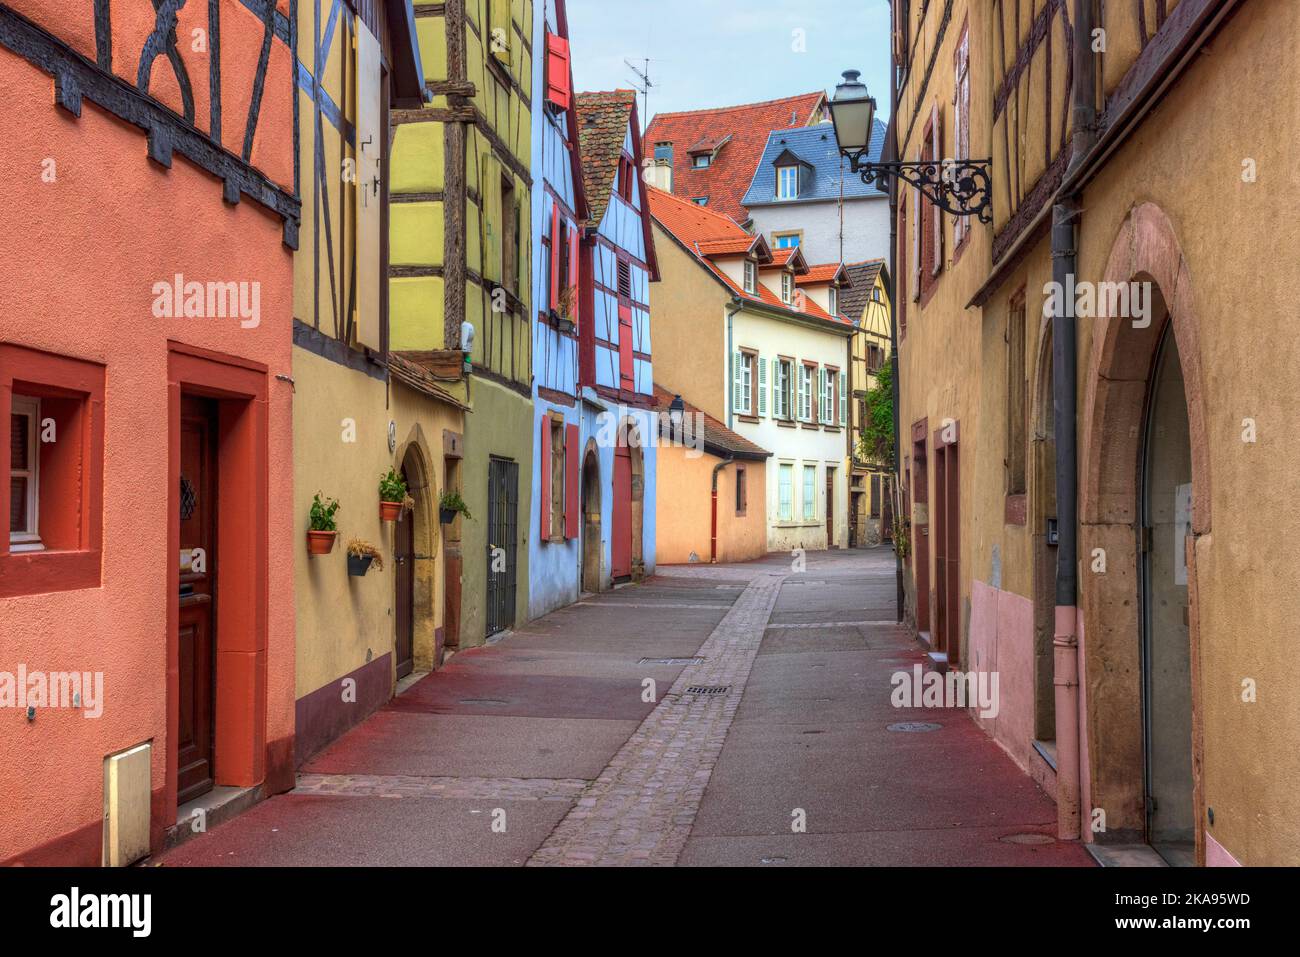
(740, 338)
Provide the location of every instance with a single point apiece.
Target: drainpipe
(900, 598)
(1065, 640)
(713, 528)
(733, 307)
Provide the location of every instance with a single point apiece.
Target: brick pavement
(641, 808)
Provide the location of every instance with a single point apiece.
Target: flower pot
(447, 515)
(358, 565)
(320, 543)
(390, 511)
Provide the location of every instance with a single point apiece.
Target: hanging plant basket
(361, 555)
(321, 543)
(447, 515)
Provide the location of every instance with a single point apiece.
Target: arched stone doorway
(1042, 519)
(627, 560)
(1144, 460)
(415, 544)
(591, 540)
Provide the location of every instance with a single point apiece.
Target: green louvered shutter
(844, 400)
(762, 387)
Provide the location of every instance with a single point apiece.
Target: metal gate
(502, 543)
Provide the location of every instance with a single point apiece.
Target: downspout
(713, 529)
(733, 307)
(1065, 640)
(891, 147)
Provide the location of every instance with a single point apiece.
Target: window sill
(787, 424)
(809, 425)
(744, 417)
(805, 523)
(41, 572)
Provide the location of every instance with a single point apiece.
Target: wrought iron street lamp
(958, 186)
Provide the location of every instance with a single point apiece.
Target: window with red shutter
(572, 503)
(558, 91)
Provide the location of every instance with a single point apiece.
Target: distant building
(802, 194)
(708, 157)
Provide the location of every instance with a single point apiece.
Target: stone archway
(1118, 386)
(591, 525)
(1041, 511)
(423, 543)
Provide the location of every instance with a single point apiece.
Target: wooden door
(198, 558)
(830, 508)
(404, 555)
(621, 542)
(502, 545)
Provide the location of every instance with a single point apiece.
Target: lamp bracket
(961, 187)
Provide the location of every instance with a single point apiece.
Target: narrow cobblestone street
(772, 695)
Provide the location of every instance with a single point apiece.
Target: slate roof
(816, 146)
(854, 299)
(744, 129)
(602, 128)
(718, 439)
(706, 234)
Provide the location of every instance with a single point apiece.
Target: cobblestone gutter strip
(404, 786)
(641, 808)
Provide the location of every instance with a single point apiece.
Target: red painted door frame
(239, 388)
(621, 534)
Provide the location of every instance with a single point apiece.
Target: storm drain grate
(671, 661)
(708, 689)
(914, 727)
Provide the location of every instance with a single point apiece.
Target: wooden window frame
(29, 538)
(750, 277)
(796, 234)
(742, 492)
(781, 172)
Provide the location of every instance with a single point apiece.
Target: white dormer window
(787, 182)
(787, 287)
(835, 301)
(703, 161)
(751, 277)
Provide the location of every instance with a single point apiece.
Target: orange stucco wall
(683, 505)
(81, 255)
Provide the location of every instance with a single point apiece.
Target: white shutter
(736, 386)
(844, 400)
(762, 387)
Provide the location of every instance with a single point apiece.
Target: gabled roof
(707, 235)
(717, 438)
(823, 274)
(817, 147)
(791, 256)
(732, 170)
(604, 119)
(853, 300)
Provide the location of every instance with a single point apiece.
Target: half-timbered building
(146, 398)
(615, 365)
(459, 289)
(361, 407)
(1093, 434)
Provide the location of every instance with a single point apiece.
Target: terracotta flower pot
(320, 543)
(390, 511)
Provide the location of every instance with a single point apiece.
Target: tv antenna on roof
(643, 89)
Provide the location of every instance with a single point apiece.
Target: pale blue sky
(707, 53)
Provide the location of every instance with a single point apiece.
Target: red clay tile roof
(706, 234)
(823, 273)
(732, 170)
(602, 128)
(717, 438)
(783, 257)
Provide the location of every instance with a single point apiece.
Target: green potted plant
(449, 505)
(361, 555)
(323, 530)
(393, 497)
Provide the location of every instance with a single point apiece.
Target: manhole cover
(670, 661)
(1027, 839)
(915, 727)
(708, 689)
(773, 860)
